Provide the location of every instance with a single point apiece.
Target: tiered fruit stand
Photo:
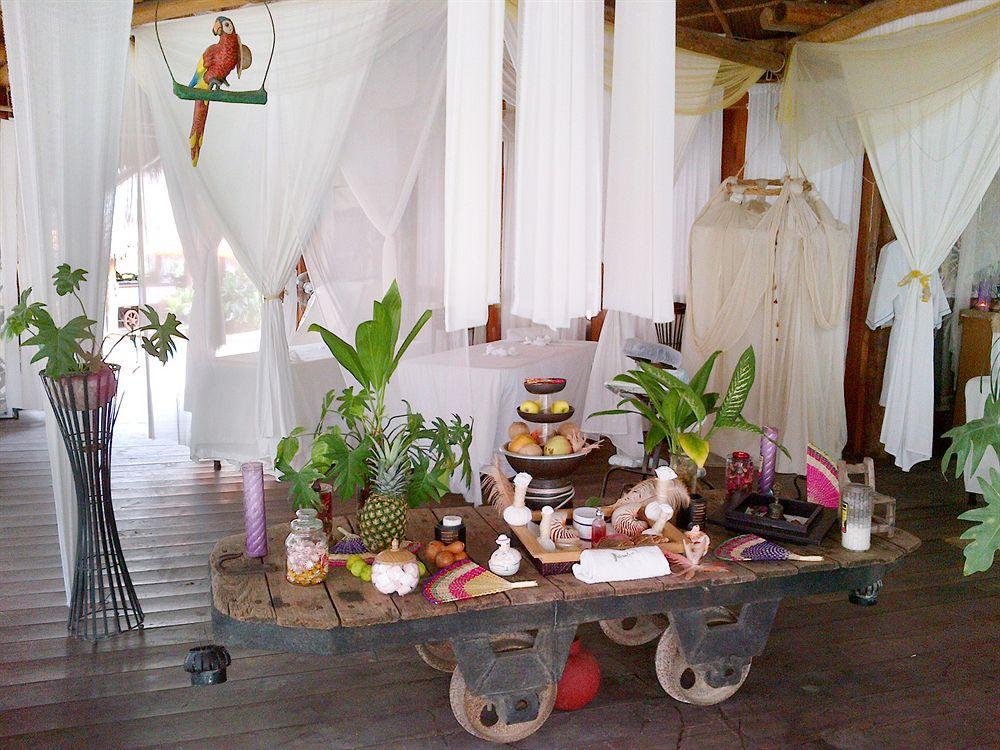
(550, 484)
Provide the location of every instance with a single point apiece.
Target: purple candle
(253, 509)
(769, 455)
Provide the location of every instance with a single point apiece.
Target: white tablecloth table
(488, 389)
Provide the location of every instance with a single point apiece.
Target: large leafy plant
(73, 348)
(968, 446)
(678, 412)
(341, 453)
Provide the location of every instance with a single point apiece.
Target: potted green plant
(968, 446)
(72, 352)
(392, 462)
(678, 412)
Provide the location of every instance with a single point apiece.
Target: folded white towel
(603, 565)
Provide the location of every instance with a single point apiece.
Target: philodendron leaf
(695, 446)
(985, 535)
(22, 315)
(739, 388)
(970, 440)
(161, 341)
(60, 345)
(67, 280)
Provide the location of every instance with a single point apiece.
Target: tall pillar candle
(253, 509)
(769, 457)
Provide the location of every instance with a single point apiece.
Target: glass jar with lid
(306, 550)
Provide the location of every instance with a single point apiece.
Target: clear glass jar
(856, 517)
(741, 474)
(687, 471)
(306, 550)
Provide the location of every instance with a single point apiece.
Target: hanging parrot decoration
(216, 63)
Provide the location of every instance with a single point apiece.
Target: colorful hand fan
(752, 548)
(464, 580)
(822, 481)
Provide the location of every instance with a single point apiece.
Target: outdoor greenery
(677, 412)
(343, 454)
(73, 347)
(968, 446)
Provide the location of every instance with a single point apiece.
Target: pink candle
(769, 456)
(253, 509)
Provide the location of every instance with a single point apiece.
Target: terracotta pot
(580, 679)
(90, 390)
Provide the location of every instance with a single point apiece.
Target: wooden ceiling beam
(721, 17)
(745, 53)
(869, 16)
(800, 17)
(145, 10)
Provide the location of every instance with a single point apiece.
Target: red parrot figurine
(216, 63)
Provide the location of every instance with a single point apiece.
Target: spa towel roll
(603, 565)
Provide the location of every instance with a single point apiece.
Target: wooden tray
(818, 520)
(559, 560)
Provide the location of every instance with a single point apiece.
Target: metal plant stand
(103, 602)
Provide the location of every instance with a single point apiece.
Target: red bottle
(598, 529)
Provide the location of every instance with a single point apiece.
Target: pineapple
(383, 516)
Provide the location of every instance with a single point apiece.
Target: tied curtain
(557, 221)
(472, 161)
(264, 171)
(67, 66)
(922, 101)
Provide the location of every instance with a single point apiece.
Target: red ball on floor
(580, 679)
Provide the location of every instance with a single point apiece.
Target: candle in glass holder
(769, 457)
(253, 508)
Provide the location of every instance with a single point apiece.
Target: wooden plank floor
(920, 670)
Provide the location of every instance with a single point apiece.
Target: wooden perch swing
(761, 186)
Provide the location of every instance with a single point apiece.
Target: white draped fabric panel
(697, 180)
(772, 277)
(67, 67)
(921, 96)
(472, 161)
(560, 101)
(17, 379)
(638, 228)
(265, 172)
(979, 256)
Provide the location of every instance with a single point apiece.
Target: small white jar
(505, 561)
(583, 521)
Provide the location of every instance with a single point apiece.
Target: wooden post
(493, 332)
(866, 349)
(596, 324)
(734, 137)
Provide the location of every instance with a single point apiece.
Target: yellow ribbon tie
(925, 283)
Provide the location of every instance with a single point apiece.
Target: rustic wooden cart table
(510, 648)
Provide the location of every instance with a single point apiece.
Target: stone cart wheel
(477, 715)
(634, 631)
(686, 682)
(439, 656)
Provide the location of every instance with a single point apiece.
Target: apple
(521, 440)
(530, 407)
(529, 449)
(557, 445)
(517, 428)
(560, 407)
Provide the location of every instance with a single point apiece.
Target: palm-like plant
(341, 453)
(677, 412)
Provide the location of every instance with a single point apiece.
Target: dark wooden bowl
(545, 467)
(541, 386)
(545, 417)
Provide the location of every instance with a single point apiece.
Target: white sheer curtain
(641, 152)
(557, 219)
(15, 375)
(472, 161)
(921, 96)
(696, 182)
(68, 123)
(264, 171)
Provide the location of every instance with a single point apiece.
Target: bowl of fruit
(545, 458)
(535, 411)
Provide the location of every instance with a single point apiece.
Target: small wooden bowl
(542, 386)
(545, 417)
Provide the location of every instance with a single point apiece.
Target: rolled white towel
(604, 565)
